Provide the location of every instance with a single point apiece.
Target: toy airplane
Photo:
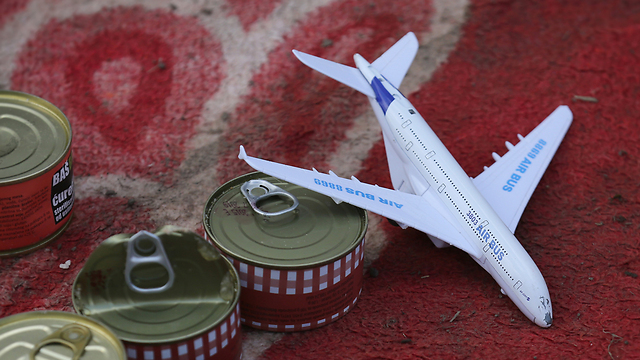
(433, 193)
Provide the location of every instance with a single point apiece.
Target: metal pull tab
(74, 336)
(268, 190)
(146, 248)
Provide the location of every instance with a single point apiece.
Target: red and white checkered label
(221, 342)
(302, 299)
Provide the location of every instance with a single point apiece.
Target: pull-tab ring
(269, 190)
(74, 336)
(146, 248)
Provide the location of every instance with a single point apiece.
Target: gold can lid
(157, 288)
(60, 335)
(317, 232)
(34, 136)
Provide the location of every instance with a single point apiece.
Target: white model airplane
(433, 193)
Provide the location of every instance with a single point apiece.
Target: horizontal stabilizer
(347, 75)
(395, 62)
(393, 65)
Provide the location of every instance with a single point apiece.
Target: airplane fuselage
(434, 173)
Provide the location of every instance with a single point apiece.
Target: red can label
(222, 342)
(36, 209)
(294, 300)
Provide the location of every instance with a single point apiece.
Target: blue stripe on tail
(383, 97)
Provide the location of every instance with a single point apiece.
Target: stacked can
(36, 173)
(298, 253)
(168, 295)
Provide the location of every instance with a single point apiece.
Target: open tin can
(57, 335)
(36, 173)
(298, 253)
(168, 295)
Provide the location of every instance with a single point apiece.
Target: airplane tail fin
(393, 65)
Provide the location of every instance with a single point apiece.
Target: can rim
(189, 335)
(45, 106)
(237, 182)
(73, 318)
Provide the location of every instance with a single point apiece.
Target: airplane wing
(347, 75)
(508, 184)
(406, 208)
(395, 62)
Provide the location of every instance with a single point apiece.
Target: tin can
(57, 335)
(36, 173)
(168, 295)
(299, 269)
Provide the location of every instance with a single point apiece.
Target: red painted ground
(8, 8)
(300, 116)
(133, 96)
(515, 63)
(133, 116)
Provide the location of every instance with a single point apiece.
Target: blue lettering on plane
(354, 192)
(493, 245)
(512, 181)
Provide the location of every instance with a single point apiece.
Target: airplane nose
(544, 320)
(543, 314)
(547, 320)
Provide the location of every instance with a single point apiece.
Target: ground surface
(160, 95)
